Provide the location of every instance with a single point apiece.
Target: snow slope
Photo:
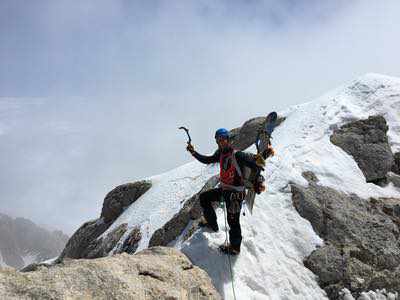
(165, 198)
(275, 238)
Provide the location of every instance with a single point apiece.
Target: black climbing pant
(233, 202)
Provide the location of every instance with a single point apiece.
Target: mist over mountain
(22, 242)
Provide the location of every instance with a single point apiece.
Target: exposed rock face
(79, 244)
(396, 164)
(121, 197)
(246, 135)
(394, 179)
(132, 241)
(84, 243)
(102, 246)
(23, 242)
(367, 142)
(362, 246)
(155, 273)
(190, 211)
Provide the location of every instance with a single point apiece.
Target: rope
(226, 243)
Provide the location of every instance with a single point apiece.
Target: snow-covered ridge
(165, 198)
(275, 238)
(302, 142)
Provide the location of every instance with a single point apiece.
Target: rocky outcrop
(155, 273)
(102, 246)
(244, 136)
(396, 163)
(393, 178)
(85, 242)
(191, 210)
(79, 244)
(131, 243)
(367, 142)
(362, 245)
(121, 197)
(23, 242)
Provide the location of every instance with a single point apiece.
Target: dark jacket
(242, 158)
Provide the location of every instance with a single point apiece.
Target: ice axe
(187, 132)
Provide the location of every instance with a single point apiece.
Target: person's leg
(235, 232)
(233, 207)
(206, 199)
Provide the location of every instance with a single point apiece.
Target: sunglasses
(221, 139)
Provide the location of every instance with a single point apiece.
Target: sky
(92, 92)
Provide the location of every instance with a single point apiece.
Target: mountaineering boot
(203, 223)
(229, 249)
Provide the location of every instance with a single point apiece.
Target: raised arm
(206, 159)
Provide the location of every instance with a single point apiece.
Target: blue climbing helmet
(222, 132)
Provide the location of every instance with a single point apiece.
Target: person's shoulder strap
(235, 163)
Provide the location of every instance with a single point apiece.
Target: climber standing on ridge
(231, 187)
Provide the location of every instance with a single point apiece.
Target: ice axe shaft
(187, 132)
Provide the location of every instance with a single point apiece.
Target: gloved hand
(270, 151)
(260, 161)
(190, 148)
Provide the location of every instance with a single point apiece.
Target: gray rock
(367, 142)
(361, 239)
(78, 244)
(102, 246)
(84, 242)
(131, 243)
(121, 197)
(155, 273)
(396, 163)
(327, 261)
(394, 179)
(386, 278)
(234, 133)
(389, 206)
(244, 136)
(191, 210)
(33, 267)
(310, 177)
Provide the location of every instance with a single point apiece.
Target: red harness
(230, 173)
